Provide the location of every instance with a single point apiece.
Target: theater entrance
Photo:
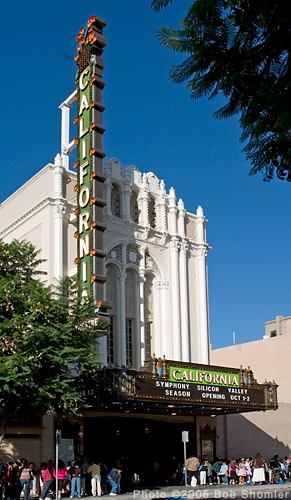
(150, 447)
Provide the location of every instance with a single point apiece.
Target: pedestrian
(223, 473)
(232, 472)
(113, 478)
(259, 469)
(47, 480)
(192, 468)
(34, 486)
(62, 474)
(26, 478)
(2, 474)
(94, 470)
(242, 471)
(8, 478)
(203, 469)
(76, 473)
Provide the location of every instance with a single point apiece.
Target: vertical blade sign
(90, 178)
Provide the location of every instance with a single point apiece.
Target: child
(222, 474)
(203, 469)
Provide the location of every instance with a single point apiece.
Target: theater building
(143, 256)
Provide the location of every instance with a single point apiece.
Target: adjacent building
(265, 432)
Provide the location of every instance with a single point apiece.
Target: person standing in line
(192, 468)
(76, 473)
(249, 464)
(12, 483)
(62, 474)
(232, 472)
(259, 470)
(113, 478)
(26, 479)
(95, 472)
(223, 473)
(67, 481)
(47, 480)
(2, 472)
(34, 487)
(242, 471)
(203, 469)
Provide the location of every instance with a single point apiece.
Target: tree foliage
(241, 49)
(47, 348)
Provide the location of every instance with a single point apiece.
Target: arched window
(111, 297)
(115, 200)
(148, 314)
(131, 291)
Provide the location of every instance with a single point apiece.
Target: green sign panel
(85, 194)
(204, 376)
(90, 154)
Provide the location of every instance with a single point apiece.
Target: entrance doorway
(149, 447)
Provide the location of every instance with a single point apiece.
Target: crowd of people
(238, 471)
(81, 478)
(19, 478)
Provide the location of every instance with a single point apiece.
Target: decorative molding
(115, 253)
(174, 243)
(150, 264)
(184, 246)
(163, 285)
(33, 211)
(60, 210)
(202, 252)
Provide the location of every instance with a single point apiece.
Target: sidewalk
(268, 492)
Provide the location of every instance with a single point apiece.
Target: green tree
(241, 49)
(47, 344)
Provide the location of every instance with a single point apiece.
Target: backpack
(216, 467)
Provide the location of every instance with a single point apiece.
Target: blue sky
(155, 125)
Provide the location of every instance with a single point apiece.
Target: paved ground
(268, 492)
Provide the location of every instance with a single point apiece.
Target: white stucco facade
(156, 255)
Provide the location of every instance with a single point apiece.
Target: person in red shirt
(47, 480)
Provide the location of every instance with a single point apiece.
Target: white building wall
(41, 211)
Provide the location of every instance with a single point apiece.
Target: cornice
(34, 210)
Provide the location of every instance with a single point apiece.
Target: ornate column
(202, 292)
(165, 319)
(181, 218)
(202, 299)
(161, 209)
(125, 204)
(200, 222)
(172, 212)
(141, 306)
(158, 321)
(184, 313)
(102, 350)
(121, 353)
(143, 202)
(59, 213)
(108, 187)
(175, 299)
(122, 331)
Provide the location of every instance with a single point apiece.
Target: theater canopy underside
(167, 387)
